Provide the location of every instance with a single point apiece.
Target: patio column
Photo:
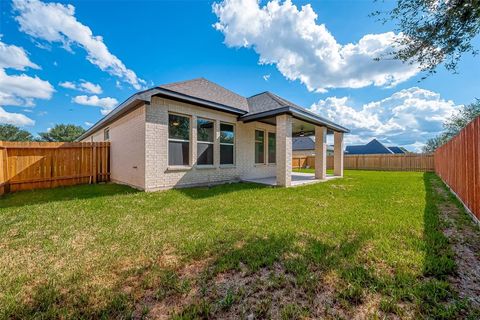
(320, 153)
(284, 150)
(338, 154)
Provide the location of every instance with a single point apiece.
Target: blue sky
(72, 76)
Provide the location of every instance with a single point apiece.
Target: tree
(9, 132)
(454, 125)
(435, 31)
(62, 133)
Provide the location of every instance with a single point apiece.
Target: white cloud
(16, 119)
(88, 124)
(266, 77)
(303, 50)
(20, 90)
(84, 86)
(107, 104)
(407, 118)
(68, 85)
(55, 22)
(90, 87)
(14, 57)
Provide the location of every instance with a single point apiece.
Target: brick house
(198, 133)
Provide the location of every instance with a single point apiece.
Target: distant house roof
(205, 93)
(373, 147)
(398, 150)
(305, 143)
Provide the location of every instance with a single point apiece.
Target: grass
(109, 251)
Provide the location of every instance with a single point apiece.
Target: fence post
(94, 157)
(5, 181)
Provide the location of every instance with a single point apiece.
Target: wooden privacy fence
(34, 165)
(393, 162)
(458, 164)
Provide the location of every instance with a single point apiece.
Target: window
(259, 146)
(205, 134)
(227, 144)
(178, 140)
(106, 134)
(272, 155)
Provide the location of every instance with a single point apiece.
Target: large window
(259, 146)
(227, 144)
(272, 148)
(205, 134)
(178, 140)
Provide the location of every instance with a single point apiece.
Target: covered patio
(292, 121)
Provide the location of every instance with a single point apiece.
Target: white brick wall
(127, 150)
(159, 175)
(140, 139)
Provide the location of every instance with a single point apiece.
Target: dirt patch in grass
(464, 236)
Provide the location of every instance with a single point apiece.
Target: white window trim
(268, 145)
(228, 144)
(107, 129)
(264, 147)
(180, 166)
(205, 166)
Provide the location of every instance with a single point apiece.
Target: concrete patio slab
(298, 179)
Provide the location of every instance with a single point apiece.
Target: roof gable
(373, 147)
(207, 90)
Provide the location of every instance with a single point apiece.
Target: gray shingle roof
(373, 147)
(306, 143)
(207, 90)
(205, 93)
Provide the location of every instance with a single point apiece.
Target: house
(374, 147)
(196, 132)
(304, 146)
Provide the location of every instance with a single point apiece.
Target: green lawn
(369, 243)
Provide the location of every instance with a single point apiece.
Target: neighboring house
(305, 146)
(374, 147)
(198, 133)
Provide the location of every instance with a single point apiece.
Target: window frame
(212, 143)
(255, 147)
(227, 144)
(189, 117)
(106, 134)
(268, 148)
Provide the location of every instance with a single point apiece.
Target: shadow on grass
(71, 299)
(218, 190)
(40, 196)
(439, 300)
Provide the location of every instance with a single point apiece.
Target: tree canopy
(62, 133)
(454, 125)
(435, 31)
(9, 132)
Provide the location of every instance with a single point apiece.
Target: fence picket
(457, 162)
(35, 165)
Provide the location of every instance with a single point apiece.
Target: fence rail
(394, 162)
(35, 165)
(458, 164)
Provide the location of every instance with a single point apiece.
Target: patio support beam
(320, 153)
(338, 154)
(284, 150)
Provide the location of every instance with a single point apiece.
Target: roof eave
(146, 97)
(296, 112)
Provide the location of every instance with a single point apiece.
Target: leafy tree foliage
(62, 133)
(435, 31)
(454, 125)
(9, 132)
